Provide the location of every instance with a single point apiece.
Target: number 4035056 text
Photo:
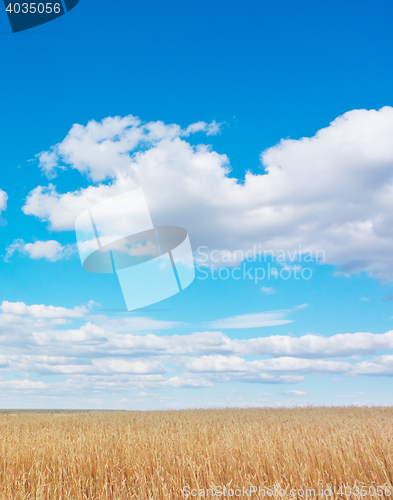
(32, 8)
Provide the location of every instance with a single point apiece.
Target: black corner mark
(24, 15)
(70, 4)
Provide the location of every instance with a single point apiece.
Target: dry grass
(153, 455)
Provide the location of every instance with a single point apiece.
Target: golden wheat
(154, 455)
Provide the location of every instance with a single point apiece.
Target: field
(154, 455)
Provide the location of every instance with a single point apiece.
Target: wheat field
(155, 455)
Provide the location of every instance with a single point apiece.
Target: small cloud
(295, 393)
(302, 306)
(142, 394)
(11, 249)
(212, 128)
(268, 290)
(254, 320)
(48, 162)
(91, 304)
(363, 298)
(51, 250)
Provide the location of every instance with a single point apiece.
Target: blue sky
(264, 72)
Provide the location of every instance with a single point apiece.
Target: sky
(263, 128)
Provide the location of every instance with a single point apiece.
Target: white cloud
(23, 325)
(133, 324)
(212, 128)
(42, 311)
(51, 250)
(310, 346)
(3, 361)
(347, 344)
(3, 200)
(283, 208)
(295, 393)
(107, 355)
(101, 150)
(96, 366)
(22, 384)
(255, 320)
(179, 381)
(268, 290)
(88, 333)
(382, 365)
(219, 363)
(116, 365)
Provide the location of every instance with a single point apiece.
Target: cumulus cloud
(284, 207)
(93, 148)
(105, 366)
(382, 365)
(51, 250)
(42, 311)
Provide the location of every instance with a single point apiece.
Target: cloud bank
(108, 355)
